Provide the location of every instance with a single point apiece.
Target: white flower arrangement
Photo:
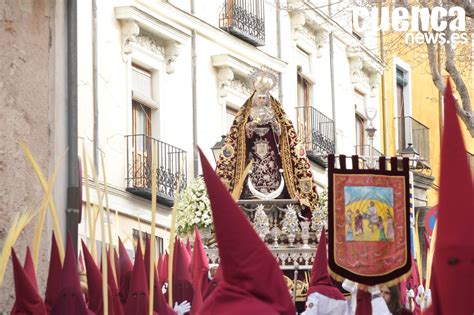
(193, 208)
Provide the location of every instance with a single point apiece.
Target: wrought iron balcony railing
(244, 19)
(169, 170)
(412, 131)
(316, 131)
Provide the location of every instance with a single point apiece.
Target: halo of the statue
(264, 79)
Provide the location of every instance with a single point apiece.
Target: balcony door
(403, 110)
(305, 125)
(141, 144)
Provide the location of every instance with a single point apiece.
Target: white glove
(164, 288)
(182, 308)
(427, 294)
(410, 293)
(349, 286)
(421, 290)
(418, 299)
(426, 299)
(374, 290)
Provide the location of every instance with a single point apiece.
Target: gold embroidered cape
(296, 168)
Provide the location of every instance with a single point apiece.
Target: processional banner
(368, 221)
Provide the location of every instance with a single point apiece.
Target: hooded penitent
(53, 284)
(253, 282)
(452, 283)
(27, 299)
(94, 282)
(70, 299)
(126, 269)
(182, 281)
(30, 268)
(320, 280)
(321, 291)
(137, 301)
(115, 306)
(200, 269)
(159, 302)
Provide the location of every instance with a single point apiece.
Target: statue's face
(262, 99)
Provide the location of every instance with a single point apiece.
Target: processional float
(264, 164)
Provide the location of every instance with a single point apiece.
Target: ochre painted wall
(425, 102)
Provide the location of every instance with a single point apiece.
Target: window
(304, 112)
(141, 82)
(360, 131)
(402, 110)
(141, 101)
(303, 92)
(141, 124)
(159, 241)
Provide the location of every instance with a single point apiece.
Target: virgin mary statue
(262, 133)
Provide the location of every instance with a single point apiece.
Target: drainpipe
(194, 96)
(331, 65)
(73, 191)
(95, 83)
(280, 77)
(384, 96)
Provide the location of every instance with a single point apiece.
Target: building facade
(413, 118)
(33, 105)
(175, 74)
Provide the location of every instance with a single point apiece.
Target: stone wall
(26, 91)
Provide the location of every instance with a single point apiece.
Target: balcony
(412, 131)
(316, 132)
(169, 170)
(244, 19)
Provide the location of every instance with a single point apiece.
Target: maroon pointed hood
(200, 269)
(320, 281)
(30, 268)
(164, 278)
(126, 269)
(182, 281)
(117, 268)
(160, 267)
(453, 262)
(94, 282)
(115, 306)
(253, 282)
(53, 284)
(137, 301)
(159, 302)
(27, 299)
(188, 248)
(70, 299)
(212, 285)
